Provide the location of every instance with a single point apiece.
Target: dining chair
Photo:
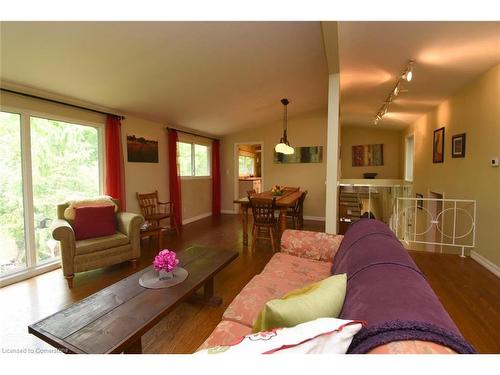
(251, 192)
(264, 220)
(296, 213)
(154, 211)
(291, 188)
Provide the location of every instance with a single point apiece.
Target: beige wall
(145, 177)
(474, 110)
(304, 130)
(353, 135)
(139, 177)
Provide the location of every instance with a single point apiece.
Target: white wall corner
(490, 266)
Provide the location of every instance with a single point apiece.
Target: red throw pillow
(94, 221)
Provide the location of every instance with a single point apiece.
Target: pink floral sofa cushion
(310, 245)
(247, 305)
(296, 270)
(226, 332)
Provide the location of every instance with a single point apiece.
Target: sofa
(385, 289)
(92, 253)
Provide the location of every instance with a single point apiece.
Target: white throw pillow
(323, 335)
(103, 200)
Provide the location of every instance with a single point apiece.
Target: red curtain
(216, 177)
(174, 178)
(115, 169)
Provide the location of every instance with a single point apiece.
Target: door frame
(405, 167)
(236, 169)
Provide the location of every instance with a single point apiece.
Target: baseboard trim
(315, 218)
(490, 266)
(196, 218)
(228, 212)
(27, 274)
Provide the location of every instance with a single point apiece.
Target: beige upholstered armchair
(92, 253)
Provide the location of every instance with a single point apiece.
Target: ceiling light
(284, 146)
(406, 75)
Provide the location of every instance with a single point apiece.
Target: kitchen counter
(250, 178)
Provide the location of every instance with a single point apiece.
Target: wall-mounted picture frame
(141, 150)
(309, 154)
(367, 155)
(458, 146)
(438, 146)
(420, 201)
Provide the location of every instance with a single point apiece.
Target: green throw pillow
(319, 300)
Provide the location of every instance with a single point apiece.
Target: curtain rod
(196, 135)
(59, 102)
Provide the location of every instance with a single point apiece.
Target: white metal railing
(423, 220)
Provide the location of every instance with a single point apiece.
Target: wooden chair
(290, 188)
(251, 192)
(154, 211)
(296, 213)
(264, 220)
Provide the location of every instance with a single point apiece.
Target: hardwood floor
(470, 294)
(467, 290)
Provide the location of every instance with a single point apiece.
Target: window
(194, 159)
(246, 165)
(65, 164)
(12, 235)
(61, 161)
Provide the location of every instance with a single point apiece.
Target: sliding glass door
(65, 165)
(12, 233)
(43, 162)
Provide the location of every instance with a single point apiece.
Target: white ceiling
(372, 54)
(222, 77)
(216, 77)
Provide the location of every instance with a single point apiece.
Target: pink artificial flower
(165, 260)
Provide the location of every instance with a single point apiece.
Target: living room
(425, 105)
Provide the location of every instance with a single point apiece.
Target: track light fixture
(396, 90)
(406, 75)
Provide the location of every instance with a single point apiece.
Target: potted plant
(277, 190)
(165, 263)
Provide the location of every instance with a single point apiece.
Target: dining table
(288, 199)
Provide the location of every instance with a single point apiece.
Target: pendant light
(284, 146)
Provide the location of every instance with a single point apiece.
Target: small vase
(164, 275)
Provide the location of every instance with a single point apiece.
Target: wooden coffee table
(114, 319)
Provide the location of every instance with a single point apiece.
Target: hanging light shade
(284, 146)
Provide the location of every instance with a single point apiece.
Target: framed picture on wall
(458, 146)
(141, 150)
(438, 146)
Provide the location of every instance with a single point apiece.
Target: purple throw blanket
(386, 289)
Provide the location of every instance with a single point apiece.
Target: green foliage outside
(246, 165)
(201, 160)
(64, 166)
(185, 155)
